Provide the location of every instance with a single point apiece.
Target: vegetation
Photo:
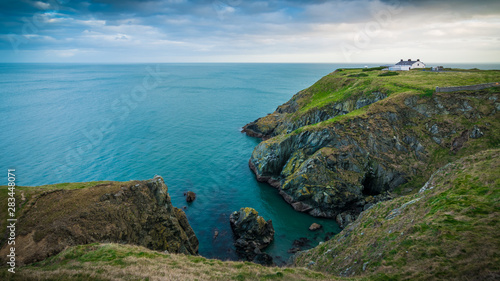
(128, 262)
(389, 73)
(25, 193)
(449, 231)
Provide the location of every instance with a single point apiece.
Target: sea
(91, 122)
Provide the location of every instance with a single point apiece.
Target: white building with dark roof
(407, 65)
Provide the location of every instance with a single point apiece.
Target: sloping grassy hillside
(448, 231)
(127, 262)
(25, 194)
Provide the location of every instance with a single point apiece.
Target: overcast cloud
(248, 31)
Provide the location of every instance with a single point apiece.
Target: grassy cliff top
(343, 84)
(24, 194)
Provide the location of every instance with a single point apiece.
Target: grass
(27, 193)
(389, 73)
(128, 262)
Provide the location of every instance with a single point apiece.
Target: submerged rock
(252, 234)
(315, 226)
(301, 242)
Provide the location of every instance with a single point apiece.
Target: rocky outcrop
(339, 168)
(287, 118)
(135, 212)
(252, 234)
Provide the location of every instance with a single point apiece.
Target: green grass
(126, 262)
(389, 73)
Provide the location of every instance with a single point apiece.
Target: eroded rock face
(135, 212)
(252, 233)
(344, 167)
(286, 119)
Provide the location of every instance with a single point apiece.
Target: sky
(358, 31)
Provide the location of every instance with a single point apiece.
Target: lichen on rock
(252, 234)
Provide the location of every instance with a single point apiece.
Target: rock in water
(315, 226)
(190, 196)
(252, 234)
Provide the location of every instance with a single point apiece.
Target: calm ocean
(87, 122)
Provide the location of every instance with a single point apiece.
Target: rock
(315, 227)
(262, 258)
(345, 218)
(301, 242)
(293, 250)
(190, 196)
(216, 233)
(476, 133)
(135, 212)
(252, 234)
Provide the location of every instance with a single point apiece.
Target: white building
(399, 67)
(411, 64)
(406, 65)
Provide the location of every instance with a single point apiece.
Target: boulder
(315, 226)
(190, 196)
(252, 233)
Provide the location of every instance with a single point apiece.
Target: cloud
(228, 30)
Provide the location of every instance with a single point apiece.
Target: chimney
(418, 59)
(401, 59)
(409, 59)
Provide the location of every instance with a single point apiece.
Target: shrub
(389, 73)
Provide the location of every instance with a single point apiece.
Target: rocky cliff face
(292, 115)
(341, 166)
(135, 212)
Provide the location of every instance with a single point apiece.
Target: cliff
(356, 138)
(448, 230)
(54, 217)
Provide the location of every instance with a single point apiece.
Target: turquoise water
(69, 123)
